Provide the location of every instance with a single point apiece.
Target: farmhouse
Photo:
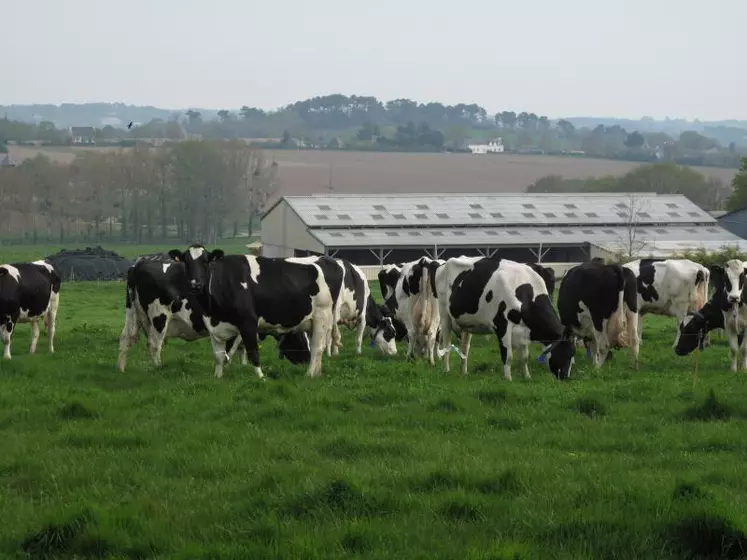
(378, 229)
(492, 147)
(83, 134)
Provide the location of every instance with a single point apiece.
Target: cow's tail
(701, 289)
(617, 332)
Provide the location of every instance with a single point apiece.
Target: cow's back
(594, 288)
(28, 286)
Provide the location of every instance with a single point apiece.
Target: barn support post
(332, 253)
(491, 253)
(534, 253)
(379, 254)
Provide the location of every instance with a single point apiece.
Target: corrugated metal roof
(686, 237)
(438, 210)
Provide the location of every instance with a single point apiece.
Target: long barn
(550, 228)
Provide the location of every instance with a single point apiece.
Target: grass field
(378, 458)
(308, 171)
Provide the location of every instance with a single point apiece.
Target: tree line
(662, 178)
(191, 190)
(365, 123)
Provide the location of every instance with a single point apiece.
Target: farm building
(380, 229)
(734, 222)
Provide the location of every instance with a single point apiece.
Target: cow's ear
(216, 255)
(176, 254)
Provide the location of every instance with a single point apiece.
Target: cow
(388, 277)
(726, 309)
(481, 295)
(417, 306)
(28, 292)
(355, 308)
(599, 302)
(669, 287)
(159, 303)
(548, 275)
(247, 295)
(399, 327)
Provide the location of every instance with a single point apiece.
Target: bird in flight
(129, 125)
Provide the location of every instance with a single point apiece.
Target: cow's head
(385, 336)
(6, 328)
(691, 333)
(729, 278)
(196, 260)
(294, 347)
(560, 356)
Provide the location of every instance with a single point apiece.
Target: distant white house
(492, 147)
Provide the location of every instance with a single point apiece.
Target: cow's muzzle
(195, 285)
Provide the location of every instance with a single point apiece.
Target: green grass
(378, 458)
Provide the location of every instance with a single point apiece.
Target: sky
(610, 58)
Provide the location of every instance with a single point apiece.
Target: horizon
(625, 58)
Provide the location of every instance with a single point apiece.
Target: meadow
(377, 458)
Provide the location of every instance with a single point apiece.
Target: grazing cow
(159, 302)
(669, 287)
(246, 295)
(28, 292)
(548, 275)
(479, 295)
(388, 277)
(727, 309)
(417, 306)
(354, 307)
(599, 302)
(399, 327)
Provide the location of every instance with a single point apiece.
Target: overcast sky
(626, 58)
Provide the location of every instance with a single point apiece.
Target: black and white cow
(600, 302)
(479, 295)
(247, 296)
(28, 292)
(726, 309)
(159, 303)
(669, 287)
(355, 308)
(399, 327)
(417, 306)
(548, 275)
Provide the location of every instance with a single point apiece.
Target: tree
(630, 242)
(566, 128)
(224, 115)
(635, 140)
(738, 198)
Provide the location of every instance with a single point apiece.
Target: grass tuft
(711, 409)
(57, 539)
(707, 536)
(591, 407)
(492, 397)
(76, 411)
(339, 498)
(461, 509)
(687, 490)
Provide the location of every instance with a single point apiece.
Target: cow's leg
(360, 330)
(599, 348)
(506, 353)
(640, 328)
(322, 323)
(34, 335)
(54, 304)
(128, 337)
(219, 352)
(525, 361)
(336, 340)
(734, 347)
(8, 337)
(633, 335)
(248, 333)
(464, 349)
(156, 334)
(445, 342)
(743, 350)
(236, 344)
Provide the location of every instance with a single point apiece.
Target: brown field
(308, 172)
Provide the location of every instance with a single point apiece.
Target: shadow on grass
(710, 410)
(706, 536)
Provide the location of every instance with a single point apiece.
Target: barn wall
(283, 232)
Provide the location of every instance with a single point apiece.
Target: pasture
(377, 458)
(308, 171)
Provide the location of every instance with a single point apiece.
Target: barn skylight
(359, 234)
(545, 232)
(421, 216)
(570, 206)
(528, 205)
(609, 232)
(379, 207)
(421, 206)
(592, 215)
(475, 215)
(392, 234)
(674, 214)
(335, 234)
(320, 217)
(496, 214)
(438, 233)
(343, 216)
(549, 214)
(570, 214)
(377, 216)
(528, 215)
(644, 214)
(513, 232)
(694, 214)
(588, 231)
(566, 232)
(413, 233)
(399, 216)
(671, 205)
(491, 232)
(324, 207)
(476, 206)
(442, 216)
(660, 230)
